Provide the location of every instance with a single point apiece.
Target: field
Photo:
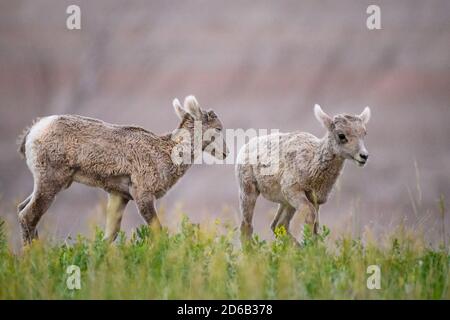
(209, 263)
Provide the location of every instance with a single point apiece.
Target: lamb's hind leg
(284, 219)
(308, 210)
(24, 203)
(114, 213)
(280, 211)
(300, 203)
(31, 211)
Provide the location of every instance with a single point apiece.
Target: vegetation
(196, 263)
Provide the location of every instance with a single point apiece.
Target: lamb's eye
(342, 137)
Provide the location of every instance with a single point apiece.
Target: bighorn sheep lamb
(307, 168)
(128, 162)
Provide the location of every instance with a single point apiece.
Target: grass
(196, 263)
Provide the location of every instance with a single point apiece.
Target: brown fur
(128, 162)
(308, 168)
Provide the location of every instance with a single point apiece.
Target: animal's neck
(329, 163)
(182, 138)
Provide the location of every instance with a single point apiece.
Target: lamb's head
(212, 139)
(346, 133)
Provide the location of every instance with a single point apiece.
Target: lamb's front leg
(303, 206)
(148, 212)
(312, 217)
(145, 203)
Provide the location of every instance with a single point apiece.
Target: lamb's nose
(364, 156)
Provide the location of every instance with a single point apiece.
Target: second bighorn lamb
(128, 162)
(307, 168)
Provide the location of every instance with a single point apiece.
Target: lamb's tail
(21, 141)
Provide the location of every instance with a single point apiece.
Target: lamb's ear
(178, 108)
(365, 115)
(191, 106)
(322, 117)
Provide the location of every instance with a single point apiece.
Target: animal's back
(84, 143)
(269, 161)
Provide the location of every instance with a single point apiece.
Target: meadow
(209, 263)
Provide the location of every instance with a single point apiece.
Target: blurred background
(258, 64)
